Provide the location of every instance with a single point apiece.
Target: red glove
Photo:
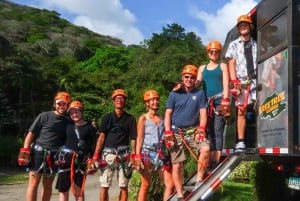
(200, 134)
(138, 162)
(24, 156)
(132, 160)
(96, 156)
(225, 107)
(169, 138)
(91, 167)
(236, 87)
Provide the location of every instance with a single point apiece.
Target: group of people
(193, 121)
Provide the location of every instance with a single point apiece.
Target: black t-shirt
(86, 141)
(118, 131)
(49, 130)
(249, 59)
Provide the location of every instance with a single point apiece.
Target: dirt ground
(16, 192)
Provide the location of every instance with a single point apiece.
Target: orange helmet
(76, 104)
(244, 18)
(214, 44)
(190, 69)
(64, 96)
(119, 92)
(149, 94)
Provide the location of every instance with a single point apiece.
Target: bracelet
(168, 133)
(201, 128)
(138, 156)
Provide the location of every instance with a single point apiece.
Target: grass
(232, 191)
(13, 178)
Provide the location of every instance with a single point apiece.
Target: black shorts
(39, 162)
(63, 182)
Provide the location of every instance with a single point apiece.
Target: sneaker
(198, 183)
(240, 147)
(180, 199)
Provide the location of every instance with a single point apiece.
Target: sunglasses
(214, 52)
(189, 77)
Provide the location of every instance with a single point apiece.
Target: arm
(140, 134)
(203, 117)
(29, 139)
(168, 121)
(225, 74)
(99, 144)
(232, 69)
(199, 75)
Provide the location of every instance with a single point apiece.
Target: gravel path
(16, 192)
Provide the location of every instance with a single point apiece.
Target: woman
(71, 161)
(150, 155)
(215, 78)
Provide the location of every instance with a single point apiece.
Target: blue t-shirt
(186, 107)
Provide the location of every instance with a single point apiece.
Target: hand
(96, 156)
(200, 138)
(91, 166)
(169, 139)
(24, 156)
(177, 86)
(138, 162)
(132, 160)
(224, 109)
(236, 87)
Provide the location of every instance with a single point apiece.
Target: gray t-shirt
(49, 130)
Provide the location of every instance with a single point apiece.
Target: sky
(133, 21)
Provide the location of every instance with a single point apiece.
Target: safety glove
(236, 87)
(224, 108)
(24, 157)
(139, 165)
(200, 134)
(93, 164)
(169, 138)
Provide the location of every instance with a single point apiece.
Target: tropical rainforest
(42, 53)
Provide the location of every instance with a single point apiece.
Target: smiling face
(153, 103)
(119, 102)
(188, 80)
(60, 107)
(244, 28)
(75, 114)
(213, 54)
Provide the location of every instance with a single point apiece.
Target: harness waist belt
(67, 150)
(40, 148)
(152, 148)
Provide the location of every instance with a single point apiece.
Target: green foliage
(244, 172)
(234, 191)
(9, 149)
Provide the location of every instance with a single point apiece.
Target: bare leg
(33, 183)
(47, 187)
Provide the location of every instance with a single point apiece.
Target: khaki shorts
(177, 152)
(108, 173)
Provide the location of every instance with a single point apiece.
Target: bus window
(273, 35)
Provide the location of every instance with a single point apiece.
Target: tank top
(213, 81)
(153, 132)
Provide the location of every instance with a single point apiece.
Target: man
(186, 107)
(241, 55)
(117, 130)
(48, 133)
